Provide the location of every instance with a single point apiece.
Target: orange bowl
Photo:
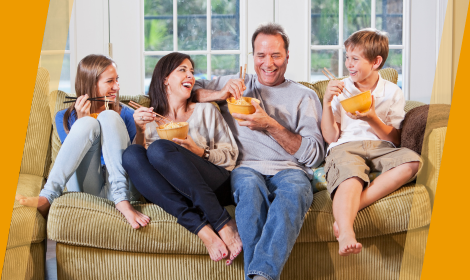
(241, 109)
(177, 132)
(94, 115)
(360, 103)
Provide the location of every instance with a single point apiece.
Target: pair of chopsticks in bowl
(334, 78)
(137, 106)
(242, 76)
(102, 99)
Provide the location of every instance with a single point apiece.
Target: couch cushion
(390, 214)
(27, 225)
(85, 220)
(39, 128)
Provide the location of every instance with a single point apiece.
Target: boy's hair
(373, 42)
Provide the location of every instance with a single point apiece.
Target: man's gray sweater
(292, 105)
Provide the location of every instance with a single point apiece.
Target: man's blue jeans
(270, 212)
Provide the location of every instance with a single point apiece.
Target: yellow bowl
(170, 133)
(241, 109)
(360, 103)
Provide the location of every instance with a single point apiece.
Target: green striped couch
(94, 241)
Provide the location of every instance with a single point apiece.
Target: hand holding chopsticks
(334, 78)
(137, 106)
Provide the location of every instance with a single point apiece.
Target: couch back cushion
(39, 128)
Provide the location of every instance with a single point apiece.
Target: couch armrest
(432, 157)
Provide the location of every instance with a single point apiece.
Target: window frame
(405, 46)
(242, 52)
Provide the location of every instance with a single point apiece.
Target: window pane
(394, 61)
(389, 18)
(356, 16)
(158, 25)
(150, 63)
(321, 59)
(200, 67)
(325, 18)
(225, 25)
(225, 65)
(64, 83)
(192, 25)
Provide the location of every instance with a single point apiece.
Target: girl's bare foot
(134, 217)
(213, 243)
(40, 202)
(231, 238)
(336, 230)
(348, 244)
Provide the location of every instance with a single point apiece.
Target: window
(178, 25)
(333, 22)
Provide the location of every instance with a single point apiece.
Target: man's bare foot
(134, 217)
(229, 234)
(336, 230)
(40, 202)
(348, 244)
(213, 243)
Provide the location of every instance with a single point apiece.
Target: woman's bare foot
(40, 202)
(336, 230)
(213, 243)
(134, 217)
(229, 234)
(348, 244)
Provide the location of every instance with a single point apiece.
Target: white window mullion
(372, 14)
(209, 39)
(341, 40)
(406, 51)
(175, 25)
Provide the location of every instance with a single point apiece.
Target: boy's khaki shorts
(359, 158)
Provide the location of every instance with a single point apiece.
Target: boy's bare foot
(213, 243)
(134, 217)
(40, 202)
(336, 230)
(348, 244)
(231, 238)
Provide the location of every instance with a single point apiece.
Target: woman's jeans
(182, 183)
(270, 212)
(78, 163)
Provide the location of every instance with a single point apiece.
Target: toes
(228, 262)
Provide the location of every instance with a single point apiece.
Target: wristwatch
(206, 154)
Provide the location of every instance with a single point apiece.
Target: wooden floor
(51, 261)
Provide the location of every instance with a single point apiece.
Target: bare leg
(231, 238)
(345, 207)
(388, 182)
(134, 217)
(40, 202)
(213, 243)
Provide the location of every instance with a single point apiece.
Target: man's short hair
(271, 28)
(373, 42)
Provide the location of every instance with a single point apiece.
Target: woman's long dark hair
(157, 91)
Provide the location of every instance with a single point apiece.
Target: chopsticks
(91, 99)
(334, 78)
(243, 70)
(136, 106)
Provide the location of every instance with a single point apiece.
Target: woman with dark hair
(93, 138)
(188, 178)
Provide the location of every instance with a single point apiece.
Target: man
(279, 143)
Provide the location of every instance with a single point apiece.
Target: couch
(94, 241)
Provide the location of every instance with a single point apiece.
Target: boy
(363, 141)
